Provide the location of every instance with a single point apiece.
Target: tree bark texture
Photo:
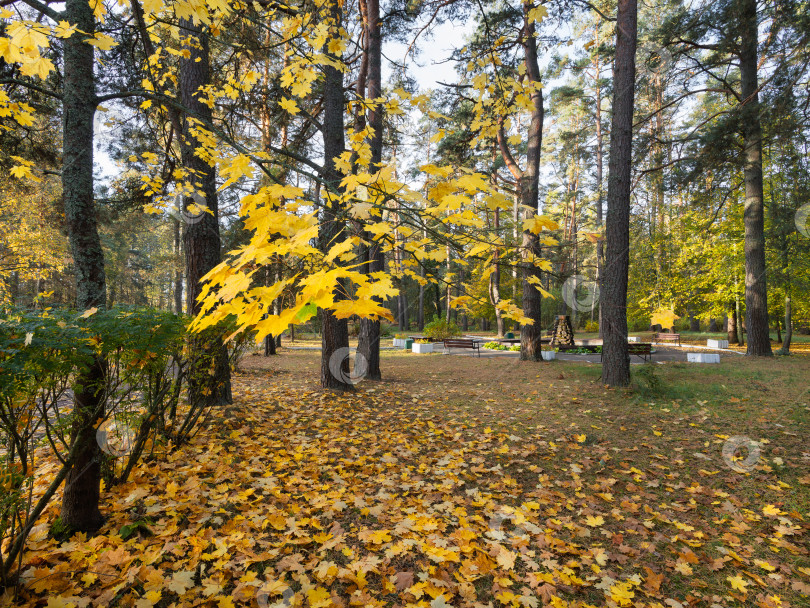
(80, 511)
(785, 350)
(368, 342)
(531, 333)
(615, 358)
(756, 294)
(212, 378)
(335, 372)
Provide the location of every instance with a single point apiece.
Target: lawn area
(466, 482)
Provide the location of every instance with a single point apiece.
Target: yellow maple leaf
(771, 510)
(506, 559)
(289, 106)
(319, 597)
(181, 582)
(102, 42)
(336, 46)
(665, 317)
(622, 593)
(89, 312)
(594, 521)
(152, 6)
(737, 582)
(683, 568)
(538, 223)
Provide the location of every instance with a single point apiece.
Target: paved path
(662, 354)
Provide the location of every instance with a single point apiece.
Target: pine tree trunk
(785, 350)
(495, 280)
(335, 372)
(368, 342)
(615, 358)
(80, 509)
(531, 333)
(210, 381)
(600, 244)
(448, 286)
(178, 273)
(731, 330)
(756, 294)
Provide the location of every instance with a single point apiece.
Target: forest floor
(459, 481)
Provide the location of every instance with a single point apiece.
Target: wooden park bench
(639, 349)
(473, 345)
(674, 338)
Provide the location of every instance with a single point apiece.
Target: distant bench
(472, 345)
(639, 349)
(674, 338)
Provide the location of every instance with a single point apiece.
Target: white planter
(717, 343)
(633, 339)
(399, 342)
(702, 358)
(422, 348)
(548, 355)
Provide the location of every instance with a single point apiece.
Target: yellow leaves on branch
(24, 45)
(538, 223)
(102, 42)
(234, 169)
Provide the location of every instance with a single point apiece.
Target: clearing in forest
(463, 482)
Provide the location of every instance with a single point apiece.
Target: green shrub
(499, 346)
(592, 327)
(648, 380)
(439, 329)
(145, 357)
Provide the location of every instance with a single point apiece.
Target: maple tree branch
(32, 86)
(38, 6)
(510, 161)
(596, 10)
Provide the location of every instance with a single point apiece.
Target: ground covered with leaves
(462, 482)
